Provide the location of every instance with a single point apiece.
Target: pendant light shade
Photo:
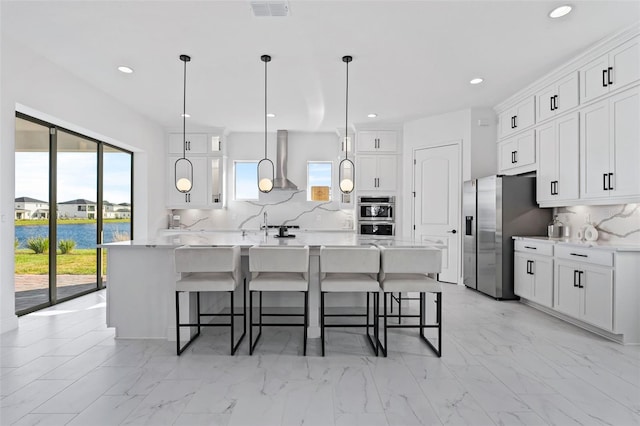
(183, 168)
(266, 171)
(346, 169)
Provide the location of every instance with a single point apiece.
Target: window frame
(235, 180)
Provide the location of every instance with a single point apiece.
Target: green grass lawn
(78, 262)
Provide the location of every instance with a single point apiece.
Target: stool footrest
(350, 325)
(277, 324)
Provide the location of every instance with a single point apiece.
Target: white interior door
(437, 215)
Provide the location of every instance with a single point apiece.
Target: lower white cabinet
(585, 292)
(533, 278)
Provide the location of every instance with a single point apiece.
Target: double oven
(376, 215)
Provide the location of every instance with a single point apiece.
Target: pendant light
(183, 168)
(265, 166)
(346, 169)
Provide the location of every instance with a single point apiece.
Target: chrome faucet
(266, 227)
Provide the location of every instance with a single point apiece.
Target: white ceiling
(411, 58)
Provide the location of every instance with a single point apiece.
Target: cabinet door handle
(575, 278)
(604, 78)
(555, 102)
(578, 254)
(609, 179)
(531, 269)
(515, 121)
(604, 181)
(580, 279)
(515, 156)
(528, 261)
(551, 103)
(531, 248)
(609, 75)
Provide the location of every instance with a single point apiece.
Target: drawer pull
(532, 248)
(578, 254)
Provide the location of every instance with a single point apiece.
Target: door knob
(453, 231)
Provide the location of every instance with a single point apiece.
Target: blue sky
(77, 175)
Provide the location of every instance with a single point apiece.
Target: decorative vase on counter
(557, 229)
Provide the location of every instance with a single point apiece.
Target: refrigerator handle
(468, 225)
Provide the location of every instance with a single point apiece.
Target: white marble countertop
(251, 238)
(604, 245)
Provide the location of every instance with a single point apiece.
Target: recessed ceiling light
(372, 115)
(124, 69)
(560, 11)
(476, 80)
(185, 115)
(271, 115)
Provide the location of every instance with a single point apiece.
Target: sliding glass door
(72, 193)
(31, 215)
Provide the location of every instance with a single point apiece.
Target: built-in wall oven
(376, 215)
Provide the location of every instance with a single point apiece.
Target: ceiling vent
(263, 9)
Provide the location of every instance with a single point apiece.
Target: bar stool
(405, 269)
(279, 269)
(212, 269)
(350, 269)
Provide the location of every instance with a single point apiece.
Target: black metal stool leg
(232, 322)
(306, 322)
(399, 307)
(250, 322)
(177, 324)
(384, 347)
(198, 309)
(322, 321)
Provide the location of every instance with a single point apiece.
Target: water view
(84, 234)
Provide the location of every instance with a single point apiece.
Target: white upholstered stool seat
(341, 282)
(406, 269)
(278, 268)
(410, 283)
(350, 269)
(279, 281)
(207, 281)
(209, 269)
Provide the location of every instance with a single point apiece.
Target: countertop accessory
(590, 233)
(266, 170)
(283, 231)
(183, 168)
(346, 169)
(555, 228)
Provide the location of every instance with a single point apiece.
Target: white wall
(484, 146)
(40, 88)
(281, 206)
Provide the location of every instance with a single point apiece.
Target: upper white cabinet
(558, 174)
(611, 71)
(381, 141)
(517, 118)
(557, 98)
(518, 154)
(195, 143)
(610, 148)
(376, 172)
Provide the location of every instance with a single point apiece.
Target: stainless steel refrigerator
(495, 208)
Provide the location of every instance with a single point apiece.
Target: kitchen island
(141, 277)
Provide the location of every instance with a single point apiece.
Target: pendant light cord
(184, 113)
(265, 109)
(346, 117)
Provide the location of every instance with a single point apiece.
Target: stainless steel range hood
(281, 181)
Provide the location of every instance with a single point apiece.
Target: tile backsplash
(282, 207)
(616, 223)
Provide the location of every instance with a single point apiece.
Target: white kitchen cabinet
(196, 143)
(585, 292)
(557, 98)
(518, 154)
(197, 197)
(614, 70)
(378, 141)
(376, 172)
(609, 148)
(558, 177)
(533, 278)
(517, 118)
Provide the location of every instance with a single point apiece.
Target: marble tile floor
(503, 364)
